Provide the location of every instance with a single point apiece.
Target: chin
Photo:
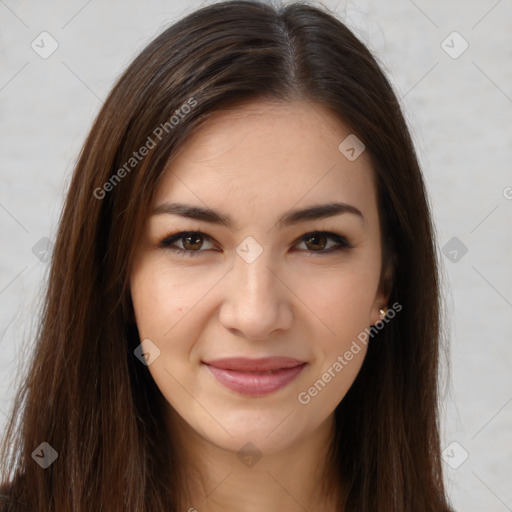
(270, 432)
(251, 440)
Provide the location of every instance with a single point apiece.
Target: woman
(243, 305)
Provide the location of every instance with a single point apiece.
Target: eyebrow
(320, 211)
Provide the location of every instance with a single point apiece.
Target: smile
(255, 377)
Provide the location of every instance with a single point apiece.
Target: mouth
(255, 377)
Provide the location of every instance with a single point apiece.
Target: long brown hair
(85, 392)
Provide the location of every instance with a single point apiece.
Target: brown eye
(192, 242)
(318, 241)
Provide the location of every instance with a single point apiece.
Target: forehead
(261, 155)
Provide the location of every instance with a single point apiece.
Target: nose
(257, 302)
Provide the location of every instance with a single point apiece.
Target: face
(251, 310)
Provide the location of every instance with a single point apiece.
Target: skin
(254, 163)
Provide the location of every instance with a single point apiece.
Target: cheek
(161, 297)
(342, 297)
(342, 300)
(160, 303)
(343, 304)
(156, 302)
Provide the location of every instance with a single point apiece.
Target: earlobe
(384, 292)
(380, 308)
(382, 312)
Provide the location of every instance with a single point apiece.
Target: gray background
(459, 112)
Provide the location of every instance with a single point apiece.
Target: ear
(383, 292)
(380, 302)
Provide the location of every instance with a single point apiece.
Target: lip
(255, 377)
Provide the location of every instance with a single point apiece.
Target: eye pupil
(319, 246)
(195, 244)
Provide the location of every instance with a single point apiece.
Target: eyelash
(167, 242)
